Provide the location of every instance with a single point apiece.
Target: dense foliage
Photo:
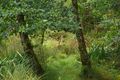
(49, 29)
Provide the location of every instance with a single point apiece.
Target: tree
(17, 20)
(28, 48)
(80, 37)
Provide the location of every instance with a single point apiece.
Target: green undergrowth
(13, 67)
(60, 62)
(59, 67)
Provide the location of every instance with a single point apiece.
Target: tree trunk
(80, 38)
(43, 36)
(28, 48)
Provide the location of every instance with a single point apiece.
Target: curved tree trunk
(80, 38)
(28, 48)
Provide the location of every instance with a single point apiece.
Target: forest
(59, 39)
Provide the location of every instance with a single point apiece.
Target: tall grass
(59, 62)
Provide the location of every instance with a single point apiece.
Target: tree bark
(28, 48)
(43, 36)
(80, 37)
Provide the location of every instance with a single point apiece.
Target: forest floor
(60, 62)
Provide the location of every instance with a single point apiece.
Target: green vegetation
(59, 40)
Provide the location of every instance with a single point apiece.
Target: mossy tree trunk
(28, 48)
(43, 35)
(80, 38)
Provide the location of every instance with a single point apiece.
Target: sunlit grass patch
(63, 68)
